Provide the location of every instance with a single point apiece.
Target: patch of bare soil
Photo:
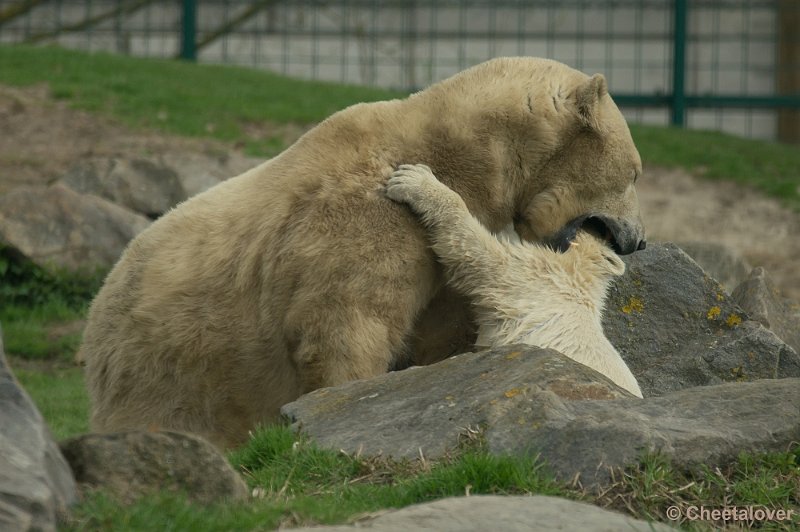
(679, 207)
(41, 138)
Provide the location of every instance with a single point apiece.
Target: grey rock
(493, 512)
(708, 425)
(140, 185)
(431, 407)
(719, 261)
(131, 464)
(36, 484)
(199, 171)
(55, 226)
(762, 301)
(530, 401)
(676, 327)
(152, 185)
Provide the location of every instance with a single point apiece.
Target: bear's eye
(635, 176)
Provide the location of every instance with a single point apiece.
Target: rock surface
(507, 514)
(430, 407)
(199, 171)
(36, 484)
(719, 261)
(55, 226)
(759, 297)
(130, 464)
(676, 327)
(137, 184)
(528, 400)
(152, 185)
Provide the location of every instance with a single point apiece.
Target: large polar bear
(301, 273)
(525, 293)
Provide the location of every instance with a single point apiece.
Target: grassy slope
(771, 167)
(310, 485)
(61, 397)
(178, 97)
(217, 101)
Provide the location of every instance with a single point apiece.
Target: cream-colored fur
(525, 293)
(301, 274)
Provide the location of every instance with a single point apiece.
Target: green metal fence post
(189, 30)
(679, 65)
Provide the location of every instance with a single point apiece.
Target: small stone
(131, 464)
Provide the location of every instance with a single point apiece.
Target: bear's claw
(410, 183)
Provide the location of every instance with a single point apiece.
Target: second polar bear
(524, 293)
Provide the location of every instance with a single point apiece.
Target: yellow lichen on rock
(513, 392)
(733, 320)
(713, 313)
(634, 305)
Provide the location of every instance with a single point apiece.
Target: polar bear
(301, 273)
(524, 293)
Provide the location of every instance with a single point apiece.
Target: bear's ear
(587, 97)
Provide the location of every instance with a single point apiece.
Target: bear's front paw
(411, 183)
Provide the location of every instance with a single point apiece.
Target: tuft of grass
(61, 397)
(296, 483)
(179, 97)
(169, 512)
(35, 299)
(771, 167)
(767, 480)
(27, 330)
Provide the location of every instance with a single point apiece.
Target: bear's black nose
(642, 245)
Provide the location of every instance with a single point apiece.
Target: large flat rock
(427, 408)
(529, 401)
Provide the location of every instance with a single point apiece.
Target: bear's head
(558, 153)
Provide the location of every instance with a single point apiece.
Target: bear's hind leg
(333, 348)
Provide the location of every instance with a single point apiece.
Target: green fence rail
(723, 64)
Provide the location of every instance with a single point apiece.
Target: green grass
(769, 480)
(299, 484)
(35, 300)
(179, 97)
(27, 334)
(770, 167)
(220, 101)
(61, 397)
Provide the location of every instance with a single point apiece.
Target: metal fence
(731, 65)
